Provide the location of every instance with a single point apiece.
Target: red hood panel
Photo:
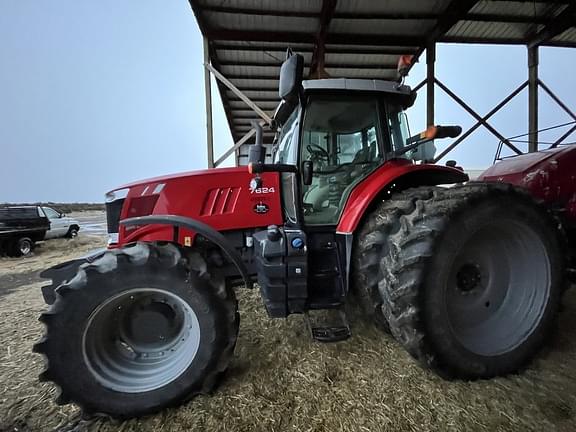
(221, 198)
(206, 172)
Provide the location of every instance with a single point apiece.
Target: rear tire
(474, 277)
(372, 244)
(22, 247)
(140, 329)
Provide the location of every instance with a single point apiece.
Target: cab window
(340, 135)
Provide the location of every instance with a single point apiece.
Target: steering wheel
(318, 152)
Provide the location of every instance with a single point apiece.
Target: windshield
(286, 151)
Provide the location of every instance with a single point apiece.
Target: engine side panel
(221, 198)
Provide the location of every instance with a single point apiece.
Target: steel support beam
(208, 95)
(562, 22)
(318, 62)
(533, 98)
(430, 76)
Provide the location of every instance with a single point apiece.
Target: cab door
(341, 136)
(58, 226)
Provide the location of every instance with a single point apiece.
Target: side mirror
(291, 75)
(257, 152)
(307, 171)
(62, 215)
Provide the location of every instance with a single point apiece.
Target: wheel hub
(151, 323)
(141, 340)
(498, 287)
(468, 278)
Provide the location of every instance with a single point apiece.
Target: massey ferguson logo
(261, 190)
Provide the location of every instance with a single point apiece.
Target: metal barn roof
(247, 39)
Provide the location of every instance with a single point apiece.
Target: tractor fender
(393, 176)
(200, 228)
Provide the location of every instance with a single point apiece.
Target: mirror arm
(259, 167)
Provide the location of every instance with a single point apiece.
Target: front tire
(139, 329)
(473, 280)
(72, 232)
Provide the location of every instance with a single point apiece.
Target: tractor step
(328, 325)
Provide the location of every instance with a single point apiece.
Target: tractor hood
(221, 198)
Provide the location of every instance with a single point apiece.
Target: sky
(94, 94)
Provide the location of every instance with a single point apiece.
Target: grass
(281, 380)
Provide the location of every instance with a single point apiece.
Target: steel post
(208, 95)
(533, 98)
(430, 60)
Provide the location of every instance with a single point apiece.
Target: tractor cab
(334, 137)
(340, 133)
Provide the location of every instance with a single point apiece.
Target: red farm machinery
(466, 276)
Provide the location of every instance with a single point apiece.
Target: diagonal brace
(557, 99)
(236, 146)
(238, 93)
(477, 116)
(482, 120)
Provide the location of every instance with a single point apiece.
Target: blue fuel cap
(297, 243)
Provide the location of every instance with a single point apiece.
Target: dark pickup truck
(20, 228)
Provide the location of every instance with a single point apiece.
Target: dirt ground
(280, 380)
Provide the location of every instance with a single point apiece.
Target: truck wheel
(22, 247)
(371, 246)
(72, 232)
(474, 279)
(137, 330)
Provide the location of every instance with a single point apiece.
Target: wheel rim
(73, 234)
(498, 288)
(25, 247)
(140, 340)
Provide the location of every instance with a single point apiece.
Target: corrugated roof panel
(273, 57)
(262, 29)
(271, 70)
(568, 36)
(370, 48)
(267, 5)
(269, 93)
(392, 6)
(382, 27)
(257, 45)
(232, 21)
(515, 8)
(490, 30)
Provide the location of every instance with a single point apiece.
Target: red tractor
(466, 276)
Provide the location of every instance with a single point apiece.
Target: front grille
(113, 211)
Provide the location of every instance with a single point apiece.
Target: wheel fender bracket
(200, 228)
